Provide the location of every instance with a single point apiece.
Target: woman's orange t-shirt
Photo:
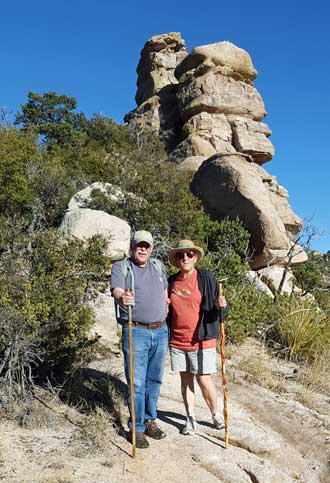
(185, 301)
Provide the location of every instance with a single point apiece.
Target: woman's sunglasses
(180, 255)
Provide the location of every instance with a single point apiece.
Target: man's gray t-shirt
(149, 300)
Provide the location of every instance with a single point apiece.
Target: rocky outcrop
(216, 90)
(260, 286)
(230, 185)
(159, 58)
(156, 94)
(202, 103)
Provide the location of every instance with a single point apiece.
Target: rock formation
(208, 113)
(202, 103)
(156, 95)
(229, 185)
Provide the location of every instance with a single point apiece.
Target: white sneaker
(217, 420)
(190, 426)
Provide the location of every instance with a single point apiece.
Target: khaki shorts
(201, 361)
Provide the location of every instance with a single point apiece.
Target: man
(147, 279)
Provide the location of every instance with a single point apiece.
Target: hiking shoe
(141, 441)
(153, 430)
(190, 426)
(218, 421)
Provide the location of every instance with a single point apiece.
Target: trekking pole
(131, 376)
(223, 371)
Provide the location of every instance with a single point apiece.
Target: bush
(313, 276)
(308, 275)
(45, 287)
(250, 311)
(226, 244)
(17, 154)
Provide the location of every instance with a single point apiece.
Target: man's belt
(153, 325)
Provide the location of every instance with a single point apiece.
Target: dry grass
(95, 434)
(316, 376)
(303, 330)
(254, 359)
(306, 396)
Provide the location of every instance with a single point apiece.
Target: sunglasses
(180, 255)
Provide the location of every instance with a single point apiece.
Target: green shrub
(313, 276)
(308, 275)
(45, 287)
(250, 311)
(226, 243)
(18, 152)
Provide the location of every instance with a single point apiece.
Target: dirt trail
(273, 439)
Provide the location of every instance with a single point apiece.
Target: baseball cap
(142, 236)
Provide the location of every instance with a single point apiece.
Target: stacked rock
(219, 105)
(156, 88)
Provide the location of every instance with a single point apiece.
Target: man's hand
(127, 298)
(122, 297)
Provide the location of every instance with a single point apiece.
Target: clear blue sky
(90, 50)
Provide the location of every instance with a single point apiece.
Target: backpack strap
(158, 265)
(126, 267)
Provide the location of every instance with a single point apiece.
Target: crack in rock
(251, 475)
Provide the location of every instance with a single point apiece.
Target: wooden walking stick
(131, 376)
(223, 371)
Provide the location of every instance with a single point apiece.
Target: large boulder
(272, 277)
(204, 134)
(84, 223)
(232, 61)
(251, 137)
(259, 284)
(219, 104)
(231, 186)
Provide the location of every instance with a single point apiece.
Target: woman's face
(187, 260)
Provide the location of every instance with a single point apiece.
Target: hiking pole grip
(131, 376)
(223, 371)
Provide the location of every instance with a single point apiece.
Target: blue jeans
(149, 356)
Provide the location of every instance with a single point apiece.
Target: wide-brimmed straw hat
(184, 246)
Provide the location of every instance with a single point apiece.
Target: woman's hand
(221, 302)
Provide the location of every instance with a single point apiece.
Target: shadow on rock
(88, 389)
(170, 418)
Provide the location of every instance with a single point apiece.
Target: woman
(195, 309)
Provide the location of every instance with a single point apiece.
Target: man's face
(141, 253)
